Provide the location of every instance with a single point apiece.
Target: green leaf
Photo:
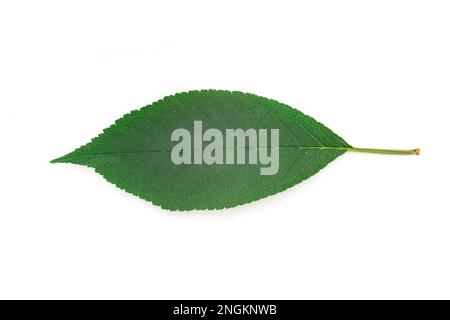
(136, 152)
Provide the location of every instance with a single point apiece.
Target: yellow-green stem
(387, 151)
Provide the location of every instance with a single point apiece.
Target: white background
(367, 226)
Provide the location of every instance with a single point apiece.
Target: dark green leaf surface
(135, 152)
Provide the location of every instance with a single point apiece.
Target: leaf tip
(57, 160)
(417, 150)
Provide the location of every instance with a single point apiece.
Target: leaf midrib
(164, 150)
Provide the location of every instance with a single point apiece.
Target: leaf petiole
(386, 151)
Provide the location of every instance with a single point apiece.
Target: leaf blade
(134, 153)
